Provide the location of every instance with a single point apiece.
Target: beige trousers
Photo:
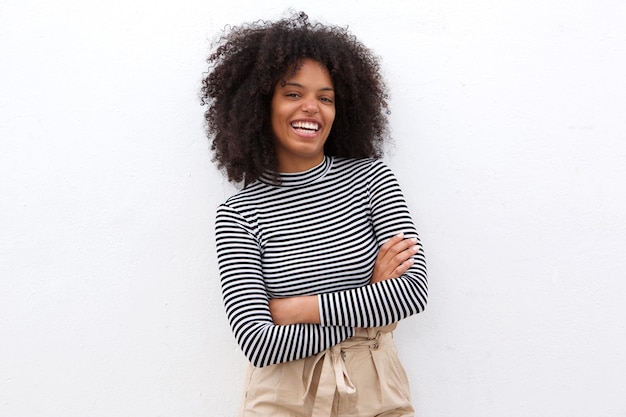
(361, 376)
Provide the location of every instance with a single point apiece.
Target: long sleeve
(316, 233)
(391, 300)
(246, 300)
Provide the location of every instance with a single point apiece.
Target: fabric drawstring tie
(334, 374)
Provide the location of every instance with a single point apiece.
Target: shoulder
(364, 167)
(372, 173)
(353, 164)
(242, 207)
(247, 196)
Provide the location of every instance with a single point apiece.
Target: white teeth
(305, 125)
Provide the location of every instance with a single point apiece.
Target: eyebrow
(301, 86)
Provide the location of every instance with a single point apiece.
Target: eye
(292, 95)
(326, 99)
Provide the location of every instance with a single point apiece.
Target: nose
(310, 105)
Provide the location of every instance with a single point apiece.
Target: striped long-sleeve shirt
(317, 232)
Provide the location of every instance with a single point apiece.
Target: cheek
(274, 117)
(278, 124)
(331, 117)
(278, 113)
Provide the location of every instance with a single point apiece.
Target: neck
(296, 165)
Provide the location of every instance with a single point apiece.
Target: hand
(394, 258)
(292, 310)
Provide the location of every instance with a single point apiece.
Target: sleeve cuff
(320, 306)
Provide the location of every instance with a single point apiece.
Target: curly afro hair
(250, 60)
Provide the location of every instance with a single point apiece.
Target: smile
(307, 127)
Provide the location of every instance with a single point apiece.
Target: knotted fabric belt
(334, 374)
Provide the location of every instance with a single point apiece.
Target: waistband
(334, 374)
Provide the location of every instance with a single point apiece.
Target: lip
(306, 133)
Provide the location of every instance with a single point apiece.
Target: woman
(318, 255)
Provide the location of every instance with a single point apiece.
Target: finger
(390, 243)
(404, 266)
(404, 244)
(393, 240)
(405, 255)
(396, 252)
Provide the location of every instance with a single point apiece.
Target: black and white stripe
(318, 232)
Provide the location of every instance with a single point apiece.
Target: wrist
(309, 309)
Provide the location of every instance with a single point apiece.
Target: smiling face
(302, 114)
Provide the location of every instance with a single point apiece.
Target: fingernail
(414, 240)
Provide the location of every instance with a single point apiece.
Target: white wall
(510, 126)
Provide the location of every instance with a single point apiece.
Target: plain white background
(509, 120)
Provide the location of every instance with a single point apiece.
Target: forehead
(306, 68)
